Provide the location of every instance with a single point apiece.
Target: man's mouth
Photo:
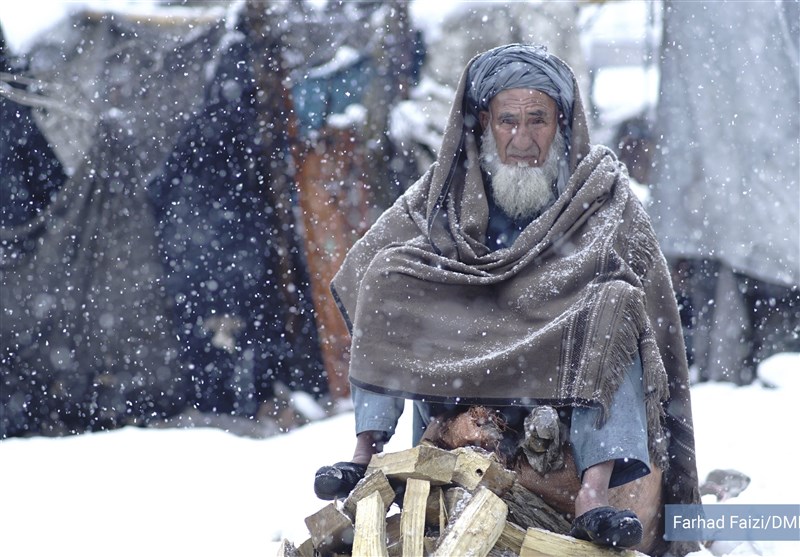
(522, 161)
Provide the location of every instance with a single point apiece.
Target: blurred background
(179, 181)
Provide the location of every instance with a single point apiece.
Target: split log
(331, 530)
(435, 512)
(421, 462)
(477, 528)
(370, 534)
(394, 540)
(475, 467)
(511, 539)
(412, 521)
(306, 549)
(541, 543)
(373, 481)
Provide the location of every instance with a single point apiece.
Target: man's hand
(368, 443)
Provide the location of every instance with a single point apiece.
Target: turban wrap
(518, 66)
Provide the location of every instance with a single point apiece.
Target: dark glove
(337, 481)
(608, 527)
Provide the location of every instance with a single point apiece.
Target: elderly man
(521, 271)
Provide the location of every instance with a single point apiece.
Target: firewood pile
(428, 501)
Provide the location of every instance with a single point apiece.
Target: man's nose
(522, 139)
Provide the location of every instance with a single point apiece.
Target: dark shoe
(608, 527)
(337, 481)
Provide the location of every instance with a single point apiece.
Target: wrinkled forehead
(522, 99)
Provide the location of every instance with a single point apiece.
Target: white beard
(521, 191)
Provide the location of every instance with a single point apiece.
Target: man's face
(523, 123)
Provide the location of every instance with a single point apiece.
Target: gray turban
(517, 66)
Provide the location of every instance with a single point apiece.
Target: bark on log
(527, 509)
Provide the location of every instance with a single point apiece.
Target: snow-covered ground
(204, 492)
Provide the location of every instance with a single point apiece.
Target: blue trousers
(621, 438)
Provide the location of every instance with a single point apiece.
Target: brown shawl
(556, 318)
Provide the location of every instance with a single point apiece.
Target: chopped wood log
(435, 512)
(412, 522)
(306, 549)
(430, 544)
(370, 534)
(454, 500)
(421, 462)
(510, 539)
(477, 528)
(393, 528)
(373, 481)
(527, 509)
(542, 543)
(475, 467)
(394, 542)
(330, 529)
